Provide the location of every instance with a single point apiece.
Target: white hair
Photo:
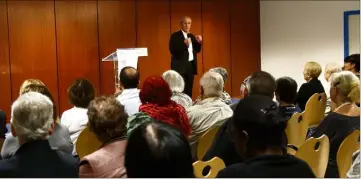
(32, 116)
(212, 83)
(348, 84)
(333, 68)
(174, 80)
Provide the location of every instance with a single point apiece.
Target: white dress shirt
(129, 98)
(75, 119)
(190, 47)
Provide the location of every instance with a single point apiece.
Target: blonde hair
(29, 82)
(348, 85)
(313, 69)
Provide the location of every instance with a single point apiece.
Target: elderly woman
(32, 123)
(155, 96)
(330, 69)
(60, 138)
(107, 120)
(345, 93)
(29, 82)
(176, 85)
(311, 72)
(80, 93)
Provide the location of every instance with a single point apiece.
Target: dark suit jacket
(36, 159)
(307, 90)
(179, 53)
(3, 129)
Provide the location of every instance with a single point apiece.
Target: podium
(124, 57)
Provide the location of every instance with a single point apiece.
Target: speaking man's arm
(197, 44)
(176, 45)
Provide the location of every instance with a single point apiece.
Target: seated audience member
(311, 72)
(211, 110)
(129, 97)
(354, 171)
(157, 150)
(344, 92)
(352, 63)
(176, 85)
(330, 69)
(32, 122)
(259, 83)
(3, 129)
(80, 93)
(59, 139)
(259, 136)
(29, 82)
(155, 96)
(107, 120)
(286, 92)
(243, 92)
(226, 98)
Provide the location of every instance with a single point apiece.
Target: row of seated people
(258, 127)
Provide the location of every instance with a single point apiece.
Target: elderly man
(32, 122)
(210, 111)
(330, 69)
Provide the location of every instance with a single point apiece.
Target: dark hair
(129, 77)
(286, 89)
(261, 83)
(80, 93)
(107, 118)
(157, 150)
(354, 59)
(43, 90)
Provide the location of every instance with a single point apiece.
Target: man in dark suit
(32, 122)
(184, 47)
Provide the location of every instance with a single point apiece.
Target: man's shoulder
(176, 33)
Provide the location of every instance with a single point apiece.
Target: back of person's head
(261, 83)
(353, 62)
(80, 93)
(129, 77)
(256, 126)
(29, 82)
(347, 85)
(157, 150)
(222, 71)
(330, 69)
(312, 70)
(107, 118)
(155, 90)
(212, 84)
(44, 91)
(32, 117)
(174, 80)
(286, 90)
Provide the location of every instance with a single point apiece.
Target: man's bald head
(129, 77)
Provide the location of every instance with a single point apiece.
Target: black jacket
(307, 90)
(179, 53)
(36, 159)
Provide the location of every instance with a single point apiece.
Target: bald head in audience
(129, 77)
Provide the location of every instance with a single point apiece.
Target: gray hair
(333, 68)
(32, 116)
(212, 83)
(221, 71)
(174, 80)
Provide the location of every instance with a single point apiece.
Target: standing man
(184, 47)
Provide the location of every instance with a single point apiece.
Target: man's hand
(187, 41)
(199, 38)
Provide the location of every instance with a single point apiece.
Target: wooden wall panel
(116, 20)
(77, 45)
(153, 31)
(216, 36)
(192, 8)
(32, 44)
(5, 83)
(245, 41)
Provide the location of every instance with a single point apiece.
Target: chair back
(205, 141)
(315, 153)
(315, 109)
(87, 143)
(216, 164)
(296, 130)
(344, 154)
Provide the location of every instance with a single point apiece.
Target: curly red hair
(155, 90)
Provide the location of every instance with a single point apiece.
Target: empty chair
(216, 164)
(296, 132)
(206, 141)
(87, 143)
(315, 109)
(315, 152)
(344, 154)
